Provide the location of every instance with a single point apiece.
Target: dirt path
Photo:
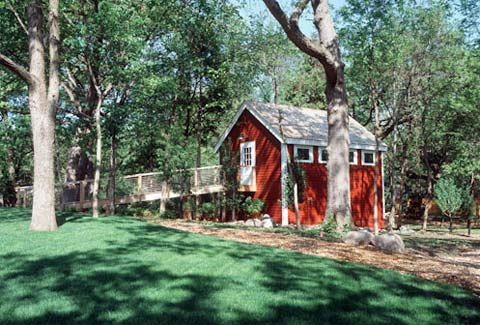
(463, 271)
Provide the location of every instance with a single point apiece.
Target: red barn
(255, 134)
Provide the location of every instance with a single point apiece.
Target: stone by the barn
(267, 223)
(389, 243)
(253, 223)
(358, 238)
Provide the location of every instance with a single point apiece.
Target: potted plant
(253, 207)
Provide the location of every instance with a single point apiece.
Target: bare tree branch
(73, 98)
(292, 29)
(16, 68)
(17, 16)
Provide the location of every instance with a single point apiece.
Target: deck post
(139, 185)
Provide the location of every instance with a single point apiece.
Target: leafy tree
(43, 100)
(327, 51)
(449, 198)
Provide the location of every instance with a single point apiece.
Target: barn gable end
(303, 128)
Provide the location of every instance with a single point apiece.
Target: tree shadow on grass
(151, 274)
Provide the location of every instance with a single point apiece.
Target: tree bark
(112, 174)
(376, 168)
(98, 158)
(43, 107)
(393, 187)
(10, 150)
(428, 196)
(327, 52)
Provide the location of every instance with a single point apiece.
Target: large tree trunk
(338, 185)
(42, 110)
(327, 51)
(43, 107)
(98, 159)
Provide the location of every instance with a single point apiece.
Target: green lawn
(120, 269)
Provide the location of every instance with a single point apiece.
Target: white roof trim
(244, 107)
(324, 144)
(230, 127)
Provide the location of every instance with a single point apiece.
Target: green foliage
(208, 208)
(449, 197)
(252, 207)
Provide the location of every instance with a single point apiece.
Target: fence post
(24, 199)
(82, 193)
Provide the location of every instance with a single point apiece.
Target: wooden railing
(133, 188)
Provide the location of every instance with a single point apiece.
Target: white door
(247, 162)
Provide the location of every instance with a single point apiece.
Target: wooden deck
(133, 188)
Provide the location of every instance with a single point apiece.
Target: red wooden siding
(361, 193)
(312, 209)
(268, 171)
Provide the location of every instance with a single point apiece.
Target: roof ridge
(273, 105)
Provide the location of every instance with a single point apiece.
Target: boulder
(253, 223)
(358, 238)
(266, 216)
(405, 230)
(267, 223)
(389, 243)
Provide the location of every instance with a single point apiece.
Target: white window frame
(253, 157)
(355, 157)
(320, 149)
(310, 153)
(363, 158)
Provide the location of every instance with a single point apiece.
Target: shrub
(252, 207)
(208, 208)
(449, 198)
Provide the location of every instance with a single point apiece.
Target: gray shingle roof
(303, 125)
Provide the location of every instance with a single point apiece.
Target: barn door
(247, 163)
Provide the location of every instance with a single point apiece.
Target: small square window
(322, 155)
(368, 158)
(303, 154)
(352, 157)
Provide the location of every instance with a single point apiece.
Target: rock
(266, 216)
(253, 223)
(405, 230)
(357, 238)
(267, 223)
(389, 243)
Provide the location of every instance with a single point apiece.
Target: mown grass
(124, 270)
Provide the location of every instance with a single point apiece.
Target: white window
(352, 157)
(368, 158)
(322, 155)
(303, 154)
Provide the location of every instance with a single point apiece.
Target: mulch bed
(463, 270)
